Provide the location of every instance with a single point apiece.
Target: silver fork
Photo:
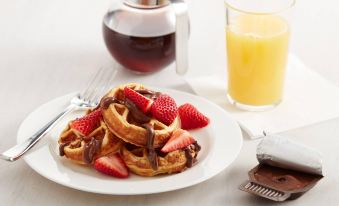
(88, 98)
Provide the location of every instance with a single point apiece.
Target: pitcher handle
(181, 36)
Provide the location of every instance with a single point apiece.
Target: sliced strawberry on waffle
(142, 102)
(179, 139)
(164, 109)
(112, 165)
(86, 124)
(191, 118)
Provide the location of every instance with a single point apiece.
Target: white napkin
(308, 99)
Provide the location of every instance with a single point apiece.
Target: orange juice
(257, 52)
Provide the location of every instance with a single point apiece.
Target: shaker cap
(147, 4)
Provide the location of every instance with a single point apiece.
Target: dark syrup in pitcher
(141, 54)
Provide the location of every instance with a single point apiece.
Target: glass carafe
(147, 35)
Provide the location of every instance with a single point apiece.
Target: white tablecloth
(48, 49)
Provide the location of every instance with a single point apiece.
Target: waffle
(84, 150)
(136, 159)
(121, 121)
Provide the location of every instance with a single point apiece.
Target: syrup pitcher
(147, 35)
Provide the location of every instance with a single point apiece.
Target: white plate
(220, 141)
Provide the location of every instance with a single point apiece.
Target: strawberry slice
(164, 109)
(112, 165)
(86, 124)
(142, 102)
(191, 118)
(179, 139)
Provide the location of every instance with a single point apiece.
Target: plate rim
(172, 188)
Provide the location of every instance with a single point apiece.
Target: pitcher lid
(147, 4)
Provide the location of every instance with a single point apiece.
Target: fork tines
(98, 85)
(263, 191)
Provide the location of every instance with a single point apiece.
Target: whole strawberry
(164, 109)
(191, 118)
(86, 124)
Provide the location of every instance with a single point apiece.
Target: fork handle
(20, 149)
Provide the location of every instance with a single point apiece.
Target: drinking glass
(257, 38)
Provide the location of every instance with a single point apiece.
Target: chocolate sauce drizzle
(149, 93)
(90, 149)
(62, 148)
(152, 155)
(107, 101)
(135, 112)
(138, 115)
(189, 150)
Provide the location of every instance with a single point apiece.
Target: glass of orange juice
(257, 36)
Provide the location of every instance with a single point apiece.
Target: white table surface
(51, 47)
